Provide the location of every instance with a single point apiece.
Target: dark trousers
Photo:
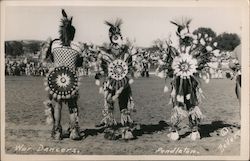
(123, 97)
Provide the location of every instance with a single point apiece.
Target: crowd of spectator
(20, 68)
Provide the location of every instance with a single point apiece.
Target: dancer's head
(67, 30)
(183, 30)
(115, 35)
(183, 26)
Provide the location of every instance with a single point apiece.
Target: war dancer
(185, 64)
(115, 64)
(235, 65)
(61, 82)
(146, 65)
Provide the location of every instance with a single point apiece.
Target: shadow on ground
(141, 129)
(207, 129)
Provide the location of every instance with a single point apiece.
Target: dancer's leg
(108, 110)
(194, 117)
(57, 128)
(126, 120)
(74, 119)
(123, 104)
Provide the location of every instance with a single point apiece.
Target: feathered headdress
(183, 30)
(66, 31)
(182, 24)
(114, 28)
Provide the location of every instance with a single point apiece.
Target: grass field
(26, 127)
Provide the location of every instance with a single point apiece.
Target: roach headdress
(183, 30)
(66, 31)
(114, 30)
(182, 24)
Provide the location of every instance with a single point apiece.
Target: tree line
(18, 48)
(226, 42)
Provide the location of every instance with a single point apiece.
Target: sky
(140, 24)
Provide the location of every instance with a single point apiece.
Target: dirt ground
(27, 133)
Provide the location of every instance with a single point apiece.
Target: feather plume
(188, 22)
(174, 23)
(66, 31)
(71, 20)
(183, 21)
(64, 14)
(108, 23)
(118, 22)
